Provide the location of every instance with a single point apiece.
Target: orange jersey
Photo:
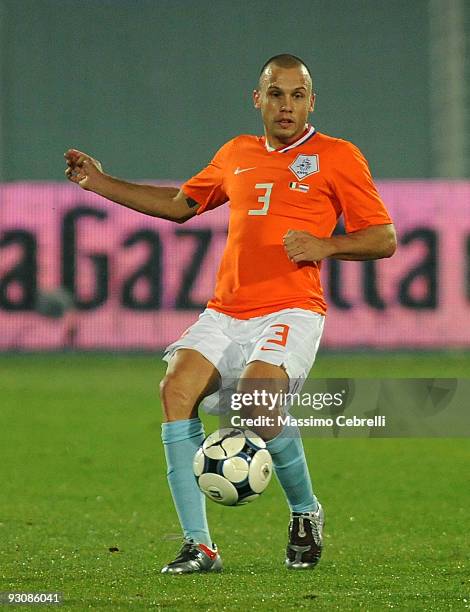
(304, 186)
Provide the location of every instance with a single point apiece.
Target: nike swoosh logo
(240, 170)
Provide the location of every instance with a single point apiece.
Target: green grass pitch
(82, 471)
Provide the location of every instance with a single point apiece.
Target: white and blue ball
(232, 467)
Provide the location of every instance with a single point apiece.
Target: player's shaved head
(284, 60)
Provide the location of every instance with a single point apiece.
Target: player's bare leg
(305, 533)
(189, 378)
(262, 376)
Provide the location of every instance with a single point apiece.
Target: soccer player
(287, 190)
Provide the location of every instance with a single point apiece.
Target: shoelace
(188, 552)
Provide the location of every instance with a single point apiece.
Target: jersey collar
(309, 132)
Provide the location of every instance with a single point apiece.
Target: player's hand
(82, 169)
(303, 246)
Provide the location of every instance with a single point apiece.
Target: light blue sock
(291, 470)
(181, 440)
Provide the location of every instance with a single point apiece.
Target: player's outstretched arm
(374, 242)
(163, 202)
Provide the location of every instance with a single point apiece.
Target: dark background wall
(153, 88)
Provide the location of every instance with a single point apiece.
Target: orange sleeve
(207, 187)
(355, 190)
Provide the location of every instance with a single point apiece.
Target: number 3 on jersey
(263, 199)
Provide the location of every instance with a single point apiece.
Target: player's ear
(313, 97)
(257, 98)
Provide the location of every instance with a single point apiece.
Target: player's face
(285, 100)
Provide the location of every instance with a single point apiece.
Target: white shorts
(288, 338)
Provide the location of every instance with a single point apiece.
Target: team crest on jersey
(305, 165)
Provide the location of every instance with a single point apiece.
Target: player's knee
(176, 396)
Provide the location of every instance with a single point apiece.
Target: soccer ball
(232, 467)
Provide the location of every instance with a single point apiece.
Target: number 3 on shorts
(280, 336)
(264, 199)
